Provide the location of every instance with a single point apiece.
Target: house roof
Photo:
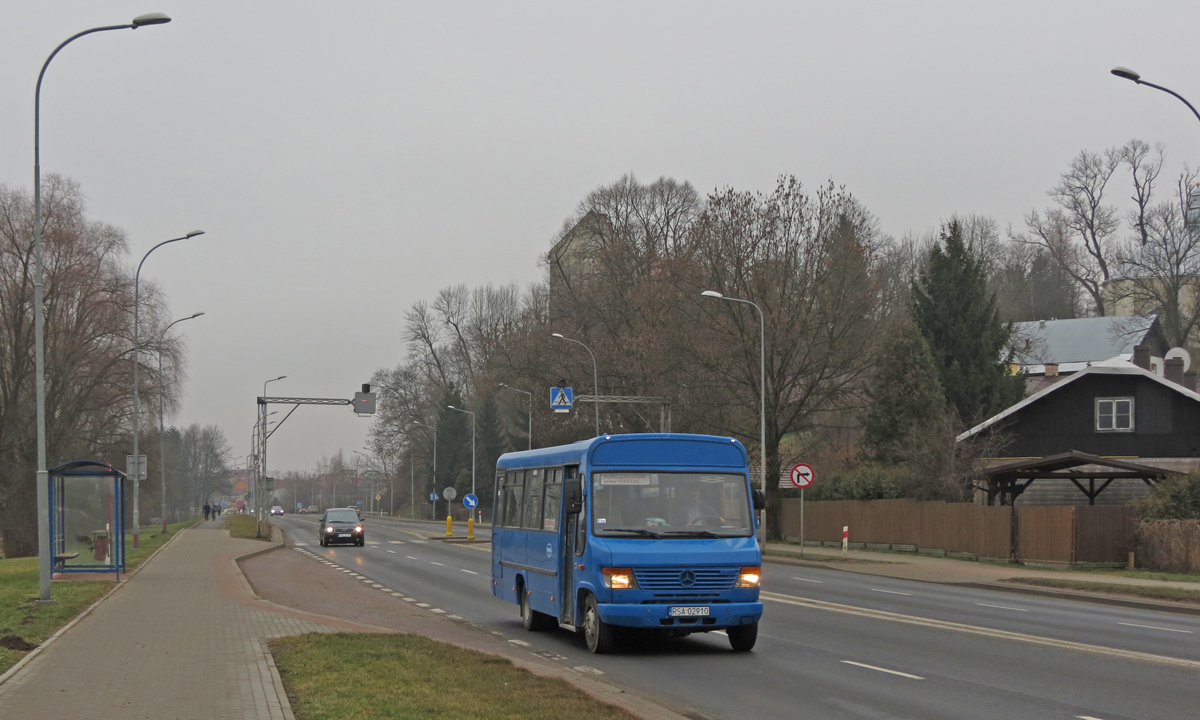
(1114, 366)
(1081, 340)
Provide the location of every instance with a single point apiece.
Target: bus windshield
(670, 505)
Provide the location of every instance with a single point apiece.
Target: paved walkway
(946, 570)
(183, 638)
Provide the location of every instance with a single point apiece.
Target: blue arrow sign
(561, 399)
(470, 501)
(433, 497)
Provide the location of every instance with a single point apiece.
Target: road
(839, 660)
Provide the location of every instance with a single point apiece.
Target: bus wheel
(742, 637)
(599, 634)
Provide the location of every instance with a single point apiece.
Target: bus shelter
(87, 525)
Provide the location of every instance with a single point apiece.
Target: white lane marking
(1086, 717)
(890, 592)
(396, 542)
(973, 630)
(469, 571)
(410, 557)
(410, 599)
(372, 542)
(808, 580)
(374, 584)
(1155, 627)
(883, 670)
(439, 611)
(522, 643)
(454, 617)
(301, 544)
(585, 669)
(399, 595)
(422, 605)
(436, 563)
(1002, 607)
(392, 552)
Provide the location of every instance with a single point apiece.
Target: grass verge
(244, 526)
(23, 624)
(403, 677)
(1150, 592)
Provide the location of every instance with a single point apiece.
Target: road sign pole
(801, 522)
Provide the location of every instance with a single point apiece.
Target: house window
(1114, 414)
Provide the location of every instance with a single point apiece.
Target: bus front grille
(693, 579)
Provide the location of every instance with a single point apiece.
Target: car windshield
(670, 505)
(348, 516)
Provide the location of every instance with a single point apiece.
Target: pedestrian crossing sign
(561, 399)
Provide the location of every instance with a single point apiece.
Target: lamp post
(281, 377)
(595, 376)
(530, 433)
(261, 484)
(472, 443)
(1127, 74)
(162, 453)
(137, 280)
(762, 398)
(39, 318)
(413, 489)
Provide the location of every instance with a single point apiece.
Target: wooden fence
(1068, 533)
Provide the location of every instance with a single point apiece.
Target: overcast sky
(347, 159)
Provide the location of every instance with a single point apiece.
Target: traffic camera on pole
(364, 402)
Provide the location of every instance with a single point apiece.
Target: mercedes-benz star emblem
(687, 578)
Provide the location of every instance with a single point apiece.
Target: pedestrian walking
(207, 511)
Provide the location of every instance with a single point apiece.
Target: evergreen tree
(961, 325)
(491, 442)
(906, 398)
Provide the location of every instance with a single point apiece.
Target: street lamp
(281, 377)
(530, 433)
(762, 396)
(39, 319)
(412, 490)
(162, 453)
(472, 443)
(595, 376)
(137, 280)
(1127, 74)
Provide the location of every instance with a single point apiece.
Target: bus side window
(498, 501)
(534, 482)
(515, 492)
(553, 500)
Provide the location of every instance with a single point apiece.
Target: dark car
(342, 525)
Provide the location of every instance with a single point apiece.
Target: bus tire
(742, 637)
(600, 636)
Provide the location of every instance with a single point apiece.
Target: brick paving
(183, 638)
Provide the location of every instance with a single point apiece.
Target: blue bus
(643, 531)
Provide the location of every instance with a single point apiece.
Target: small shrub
(1176, 498)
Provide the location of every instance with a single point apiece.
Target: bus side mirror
(760, 500)
(573, 495)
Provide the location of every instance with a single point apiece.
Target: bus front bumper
(720, 615)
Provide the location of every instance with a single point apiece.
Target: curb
(86, 611)
(1080, 596)
(1099, 599)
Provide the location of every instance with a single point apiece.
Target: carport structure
(1009, 480)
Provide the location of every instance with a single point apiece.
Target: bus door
(572, 543)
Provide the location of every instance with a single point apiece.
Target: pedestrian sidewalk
(183, 638)
(946, 570)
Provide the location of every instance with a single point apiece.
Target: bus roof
(635, 450)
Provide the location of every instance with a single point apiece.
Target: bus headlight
(748, 577)
(619, 578)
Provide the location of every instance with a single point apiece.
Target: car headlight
(358, 529)
(329, 529)
(749, 577)
(619, 578)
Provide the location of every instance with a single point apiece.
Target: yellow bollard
(449, 524)
(471, 528)
(1132, 565)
